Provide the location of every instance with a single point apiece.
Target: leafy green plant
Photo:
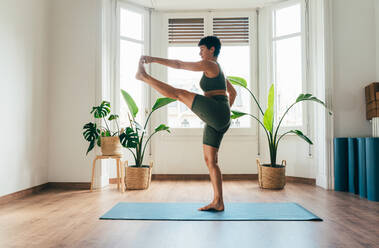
(271, 132)
(92, 133)
(133, 137)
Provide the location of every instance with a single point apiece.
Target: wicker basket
(137, 177)
(111, 145)
(271, 177)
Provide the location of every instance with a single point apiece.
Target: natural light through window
(235, 61)
(288, 20)
(178, 114)
(288, 62)
(234, 58)
(131, 24)
(131, 49)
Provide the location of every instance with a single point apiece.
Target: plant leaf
(237, 81)
(268, 117)
(309, 97)
(90, 131)
(160, 102)
(113, 117)
(301, 135)
(237, 114)
(91, 146)
(90, 134)
(102, 110)
(130, 102)
(162, 127)
(129, 138)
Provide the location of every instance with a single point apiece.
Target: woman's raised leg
(167, 90)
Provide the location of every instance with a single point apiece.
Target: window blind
(185, 30)
(232, 29)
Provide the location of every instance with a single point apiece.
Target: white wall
(74, 71)
(24, 100)
(354, 64)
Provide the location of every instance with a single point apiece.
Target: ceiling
(202, 4)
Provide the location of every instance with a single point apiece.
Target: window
(183, 35)
(132, 44)
(235, 60)
(288, 61)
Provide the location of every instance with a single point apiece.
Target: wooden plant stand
(119, 169)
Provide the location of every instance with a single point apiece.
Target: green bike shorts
(215, 112)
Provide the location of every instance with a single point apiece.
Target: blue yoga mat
(188, 211)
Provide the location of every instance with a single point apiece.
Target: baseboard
(310, 181)
(22, 193)
(70, 185)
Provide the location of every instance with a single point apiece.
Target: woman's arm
(231, 99)
(202, 65)
(232, 92)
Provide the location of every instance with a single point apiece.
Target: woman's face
(206, 53)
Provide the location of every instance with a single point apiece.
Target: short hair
(211, 41)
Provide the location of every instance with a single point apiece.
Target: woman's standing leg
(211, 160)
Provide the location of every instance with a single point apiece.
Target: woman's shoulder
(215, 70)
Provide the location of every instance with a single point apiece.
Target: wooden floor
(58, 218)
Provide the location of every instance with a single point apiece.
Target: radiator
(375, 127)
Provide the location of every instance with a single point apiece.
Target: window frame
(305, 67)
(208, 30)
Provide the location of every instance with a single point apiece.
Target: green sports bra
(217, 83)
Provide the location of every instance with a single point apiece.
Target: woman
(213, 107)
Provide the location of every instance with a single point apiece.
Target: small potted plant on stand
(138, 176)
(272, 175)
(103, 136)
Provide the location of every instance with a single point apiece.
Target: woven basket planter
(271, 177)
(138, 177)
(111, 145)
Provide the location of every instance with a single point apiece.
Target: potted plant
(272, 175)
(138, 175)
(103, 136)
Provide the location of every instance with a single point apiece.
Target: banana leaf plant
(92, 133)
(271, 132)
(133, 137)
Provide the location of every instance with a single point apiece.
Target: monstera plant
(272, 132)
(92, 133)
(133, 137)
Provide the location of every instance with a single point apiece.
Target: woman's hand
(147, 59)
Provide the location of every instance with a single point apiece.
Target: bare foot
(213, 206)
(141, 73)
